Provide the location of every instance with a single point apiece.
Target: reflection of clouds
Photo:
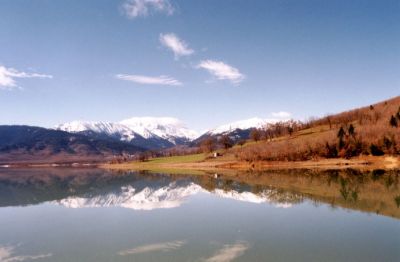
(165, 246)
(7, 254)
(229, 252)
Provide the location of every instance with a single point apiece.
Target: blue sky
(204, 62)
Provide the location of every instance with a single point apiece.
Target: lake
(72, 214)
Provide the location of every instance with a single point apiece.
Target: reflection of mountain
(266, 196)
(147, 198)
(170, 196)
(376, 192)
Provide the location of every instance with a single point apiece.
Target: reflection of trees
(371, 191)
(397, 200)
(280, 196)
(347, 191)
(389, 181)
(377, 174)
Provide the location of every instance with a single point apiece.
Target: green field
(177, 159)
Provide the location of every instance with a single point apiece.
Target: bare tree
(290, 130)
(207, 145)
(226, 141)
(255, 135)
(241, 142)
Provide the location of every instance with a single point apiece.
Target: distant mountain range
(164, 132)
(146, 132)
(37, 144)
(82, 141)
(236, 130)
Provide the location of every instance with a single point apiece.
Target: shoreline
(363, 163)
(229, 165)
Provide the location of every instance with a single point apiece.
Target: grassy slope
(173, 164)
(177, 159)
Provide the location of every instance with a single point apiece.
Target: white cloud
(8, 76)
(222, 71)
(164, 247)
(178, 46)
(229, 253)
(281, 114)
(142, 8)
(149, 80)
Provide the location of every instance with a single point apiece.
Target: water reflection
(94, 215)
(229, 252)
(9, 254)
(376, 191)
(157, 247)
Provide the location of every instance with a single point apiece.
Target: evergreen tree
(398, 114)
(341, 133)
(351, 130)
(393, 121)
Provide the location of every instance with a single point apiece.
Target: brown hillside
(370, 130)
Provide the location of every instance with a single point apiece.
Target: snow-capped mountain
(166, 127)
(242, 124)
(31, 144)
(165, 132)
(125, 133)
(238, 130)
(146, 132)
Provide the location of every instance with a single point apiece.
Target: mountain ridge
(161, 132)
(21, 143)
(80, 141)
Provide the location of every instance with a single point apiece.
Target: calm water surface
(96, 215)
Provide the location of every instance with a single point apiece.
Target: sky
(204, 62)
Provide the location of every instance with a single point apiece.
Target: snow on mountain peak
(165, 127)
(254, 122)
(168, 128)
(99, 127)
